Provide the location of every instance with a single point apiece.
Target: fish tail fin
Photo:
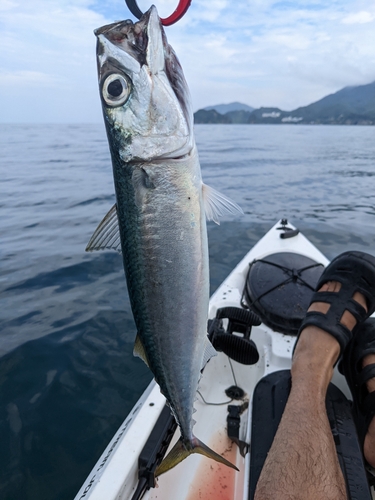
(182, 449)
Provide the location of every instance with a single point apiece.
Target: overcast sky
(260, 52)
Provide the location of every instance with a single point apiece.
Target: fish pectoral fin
(217, 204)
(209, 352)
(139, 350)
(107, 235)
(182, 450)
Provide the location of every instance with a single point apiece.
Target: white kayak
(274, 280)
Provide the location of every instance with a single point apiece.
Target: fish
(159, 219)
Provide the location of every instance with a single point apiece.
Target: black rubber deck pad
(269, 401)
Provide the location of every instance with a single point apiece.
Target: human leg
(302, 462)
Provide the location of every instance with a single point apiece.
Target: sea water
(67, 374)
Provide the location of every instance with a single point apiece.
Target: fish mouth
(141, 48)
(172, 158)
(130, 37)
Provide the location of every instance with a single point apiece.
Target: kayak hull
(115, 476)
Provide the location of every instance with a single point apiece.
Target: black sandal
(356, 273)
(362, 344)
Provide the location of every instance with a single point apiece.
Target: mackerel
(159, 219)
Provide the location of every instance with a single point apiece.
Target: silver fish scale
(159, 205)
(165, 271)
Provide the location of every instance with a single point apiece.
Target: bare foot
(314, 342)
(347, 319)
(316, 347)
(294, 467)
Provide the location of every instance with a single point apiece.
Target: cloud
(7, 5)
(49, 44)
(285, 54)
(361, 17)
(21, 78)
(262, 52)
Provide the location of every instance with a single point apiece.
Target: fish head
(145, 97)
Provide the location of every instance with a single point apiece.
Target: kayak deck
(115, 476)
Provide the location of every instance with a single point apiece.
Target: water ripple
(67, 373)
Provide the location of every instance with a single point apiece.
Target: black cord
(231, 367)
(134, 9)
(226, 402)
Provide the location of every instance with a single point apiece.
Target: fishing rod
(180, 11)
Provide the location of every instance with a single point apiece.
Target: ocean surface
(67, 374)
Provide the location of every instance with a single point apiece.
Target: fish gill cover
(134, 39)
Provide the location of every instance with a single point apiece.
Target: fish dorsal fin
(217, 204)
(107, 234)
(139, 350)
(209, 352)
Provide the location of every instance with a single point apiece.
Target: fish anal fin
(139, 350)
(217, 204)
(107, 235)
(183, 449)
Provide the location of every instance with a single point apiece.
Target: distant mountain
(349, 106)
(238, 116)
(210, 116)
(227, 108)
(266, 115)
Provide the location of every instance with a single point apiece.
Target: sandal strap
(355, 271)
(325, 322)
(369, 405)
(330, 321)
(357, 310)
(340, 302)
(367, 373)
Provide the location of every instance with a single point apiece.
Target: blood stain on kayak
(215, 481)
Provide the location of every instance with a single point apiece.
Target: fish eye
(115, 90)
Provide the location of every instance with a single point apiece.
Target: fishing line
(231, 367)
(214, 404)
(226, 402)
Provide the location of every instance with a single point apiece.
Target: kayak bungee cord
(180, 11)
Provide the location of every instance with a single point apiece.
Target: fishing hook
(180, 11)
